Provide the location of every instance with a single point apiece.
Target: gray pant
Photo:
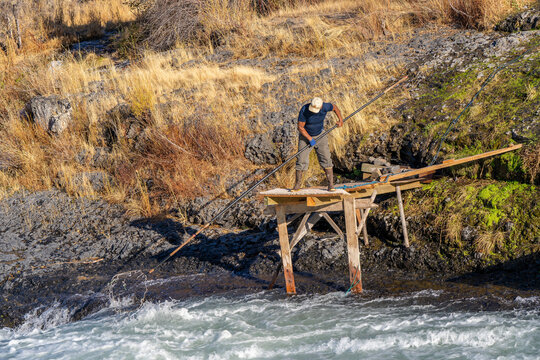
(322, 150)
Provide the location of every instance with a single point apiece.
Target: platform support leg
(285, 250)
(402, 215)
(360, 213)
(355, 272)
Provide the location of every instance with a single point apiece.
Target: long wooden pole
(402, 216)
(447, 163)
(233, 202)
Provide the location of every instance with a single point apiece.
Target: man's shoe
(330, 178)
(298, 183)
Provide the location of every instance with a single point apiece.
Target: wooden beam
(303, 208)
(402, 215)
(355, 272)
(300, 229)
(285, 250)
(304, 230)
(362, 193)
(364, 229)
(292, 218)
(359, 215)
(305, 226)
(333, 225)
(364, 218)
(448, 163)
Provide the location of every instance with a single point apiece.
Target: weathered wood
(304, 230)
(355, 272)
(362, 224)
(333, 225)
(364, 229)
(292, 218)
(318, 201)
(285, 250)
(269, 200)
(362, 193)
(402, 215)
(449, 163)
(303, 208)
(314, 191)
(359, 215)
(300, 228)
(305, 226)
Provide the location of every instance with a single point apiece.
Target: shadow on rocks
(522, 273)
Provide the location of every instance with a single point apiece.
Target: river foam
(266, 326)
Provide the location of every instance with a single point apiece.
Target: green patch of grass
(506, 215)
(507, 102)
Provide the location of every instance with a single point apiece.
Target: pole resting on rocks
(233, 202)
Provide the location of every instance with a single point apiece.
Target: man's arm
(338, 113)
(302, 130)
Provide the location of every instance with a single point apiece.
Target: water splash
(305, 327)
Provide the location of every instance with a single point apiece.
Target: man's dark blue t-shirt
(314, 121)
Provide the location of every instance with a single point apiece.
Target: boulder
(260, 149)
(50, 112)
(528, 20)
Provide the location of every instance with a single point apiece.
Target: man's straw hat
(316, 105)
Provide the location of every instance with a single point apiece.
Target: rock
(98, 180)
(528, 20)
(468, 234)
(55, 65)
(100, 159)
(260, 149)
(175, 63)
(51, 113)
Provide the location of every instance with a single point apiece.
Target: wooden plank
(303, 208)
(449, 164)
(315, 191)
(285, 250)
(355, 272)
(364, 229)
(384, 189)
(318, 201)
(300, 228)
(292, 218)
(280, 200)
(359, 217)
(364, 218)
(333, 225)
(402, 215)
(304, 230)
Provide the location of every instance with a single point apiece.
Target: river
(268, 325)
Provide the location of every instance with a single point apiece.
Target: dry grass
(186, 138)
(312, 28)
(487, 242)
(531, 162)
(30, 26)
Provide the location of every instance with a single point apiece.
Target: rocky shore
(60, 250)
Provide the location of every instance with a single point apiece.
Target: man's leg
(323, 154)
(302, 162)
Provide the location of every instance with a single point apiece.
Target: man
(310, 125)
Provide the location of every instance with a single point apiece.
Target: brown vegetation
(186, 138)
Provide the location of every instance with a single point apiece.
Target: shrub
(167, 22)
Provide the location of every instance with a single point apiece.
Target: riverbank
(134, 156)
(67, 251)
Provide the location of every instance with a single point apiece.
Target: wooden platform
(355, 200)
